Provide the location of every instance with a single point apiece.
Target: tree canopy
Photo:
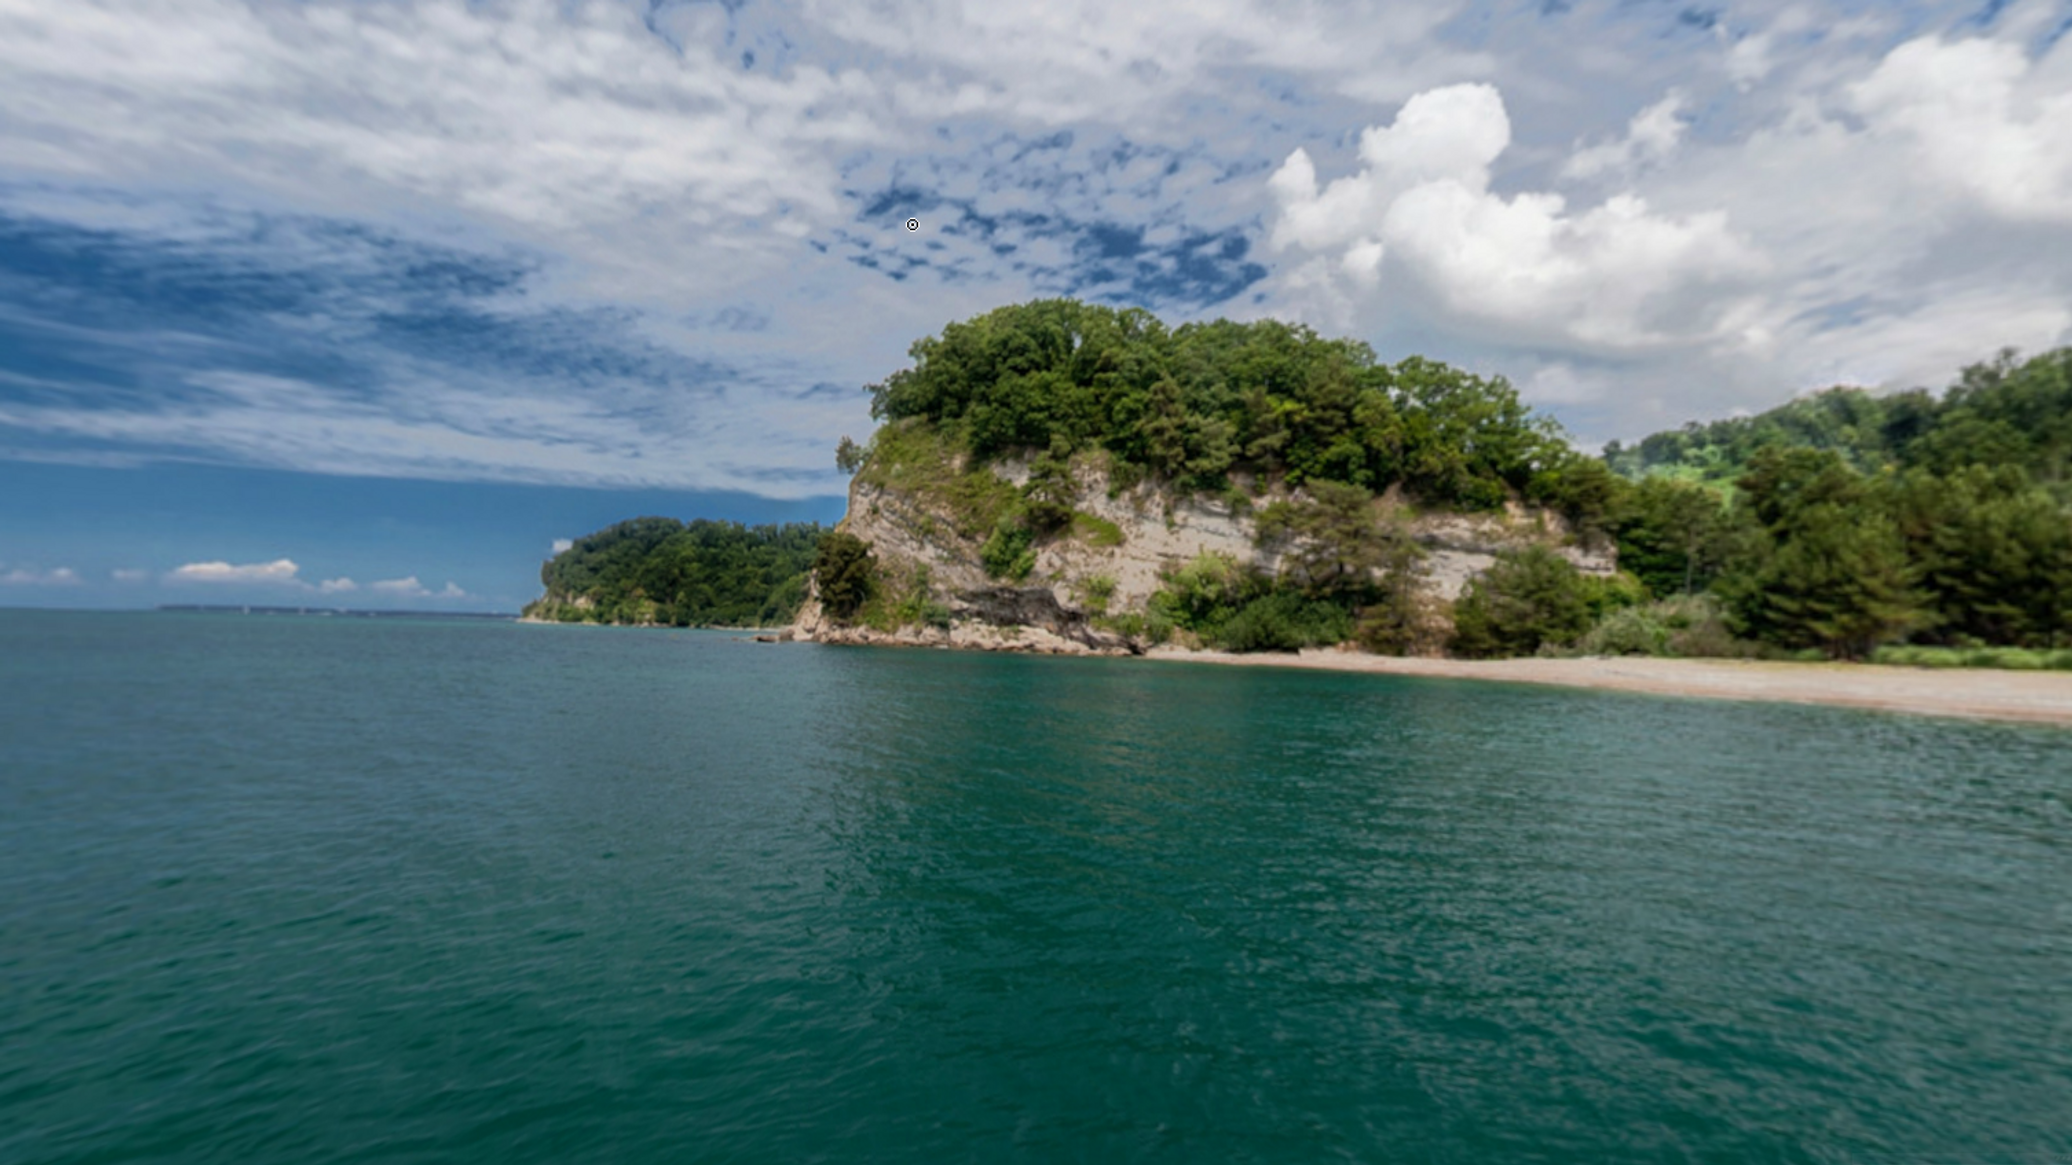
(660, 570)
(2005, 412)
(1196, 403)
(1844, 520)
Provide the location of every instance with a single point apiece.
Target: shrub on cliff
(1527, 598)
(844, 571)
(1228, 607)
(1334, 545)
(1009, 552)
(1203, 594)
(1283, 620)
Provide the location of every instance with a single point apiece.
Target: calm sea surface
(316, 890)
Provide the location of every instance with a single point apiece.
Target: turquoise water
(296, 889)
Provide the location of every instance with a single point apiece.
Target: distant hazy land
(255, 609)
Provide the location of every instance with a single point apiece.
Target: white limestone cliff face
(1057, 608)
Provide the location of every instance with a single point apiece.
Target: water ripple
(352, 891)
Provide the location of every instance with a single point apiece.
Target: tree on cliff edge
(843, 570)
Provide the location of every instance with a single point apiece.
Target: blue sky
(369, 303)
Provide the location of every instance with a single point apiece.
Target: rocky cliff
(927, 515)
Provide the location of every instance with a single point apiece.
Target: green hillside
(2005, 413)
(1846, 521)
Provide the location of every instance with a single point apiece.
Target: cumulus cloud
(561, 544)
(410, 588)
(1981, 118)
(21, 576)
(283, 572)
(1869, 214)
(279, 572)
(1615, 275)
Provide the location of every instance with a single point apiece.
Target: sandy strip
(2036, 697)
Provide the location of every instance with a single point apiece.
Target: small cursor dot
(913, 224)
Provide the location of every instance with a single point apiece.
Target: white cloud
(1617, 275)
(1661, 217)
(1090, 60)
(63, 576)
(561, 544)
(279, 572)
(410, 588)
(548, 115)
(285, 573)
(1874, 212)
(129, 576)
(1651, 137)
(465, 427)
(1979, 117)
(638, 159)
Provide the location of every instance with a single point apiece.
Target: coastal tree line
(1838, 524)
(704, 573)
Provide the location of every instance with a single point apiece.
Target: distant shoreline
(351, 612)
(538, 622)
(2032, 697)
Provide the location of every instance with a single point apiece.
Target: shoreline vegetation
(1065, 477)
(659, 572)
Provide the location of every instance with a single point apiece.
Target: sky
(374, 304)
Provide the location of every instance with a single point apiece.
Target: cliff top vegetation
(1194, 404)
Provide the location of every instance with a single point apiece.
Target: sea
(280, 888)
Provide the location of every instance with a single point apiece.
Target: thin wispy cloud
(286, 575)
(23, 576)
(630, 245)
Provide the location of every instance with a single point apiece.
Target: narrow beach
(1979, 694)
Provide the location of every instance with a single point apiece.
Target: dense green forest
(659, 570)
(2003, 413)
(1835, 525)
(1842, 524)
(1195, 404)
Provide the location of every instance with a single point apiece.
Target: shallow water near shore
(282, 888)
